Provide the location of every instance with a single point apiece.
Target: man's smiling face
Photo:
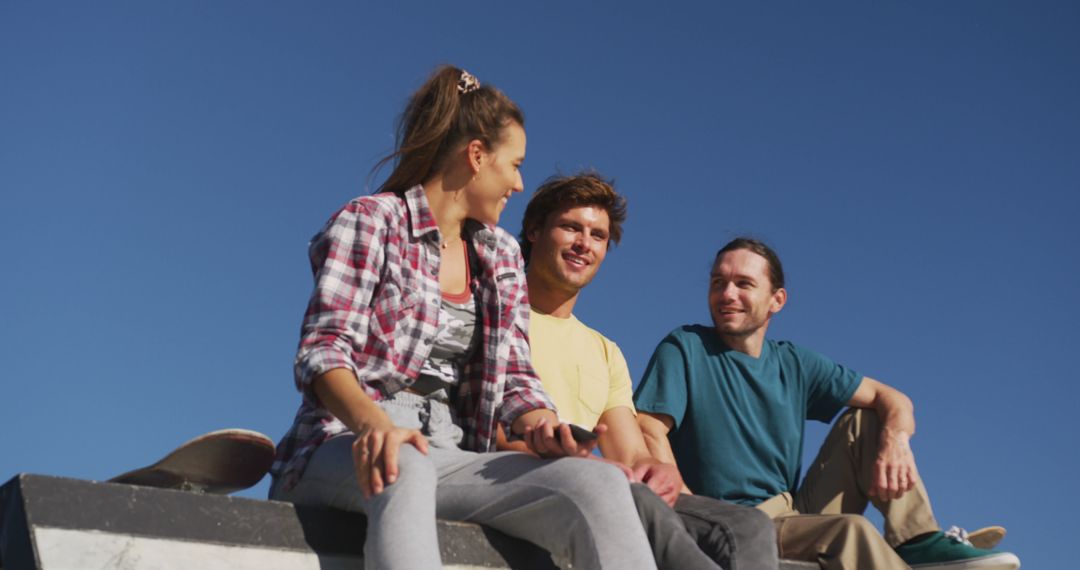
(569, 248)
(741, 294)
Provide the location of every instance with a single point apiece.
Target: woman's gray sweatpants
(578, 509)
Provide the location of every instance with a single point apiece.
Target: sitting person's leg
(837, 481)
(576, 508)
(401, 530)
(673, 547)
(833, 541)
(735, 536)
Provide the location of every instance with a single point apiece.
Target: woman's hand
(375, 453)
(378, 440)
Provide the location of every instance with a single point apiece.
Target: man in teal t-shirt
(760, 405)
(731, 406)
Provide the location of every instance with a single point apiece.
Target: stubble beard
(744, 331)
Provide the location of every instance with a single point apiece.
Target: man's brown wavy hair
(560, 192)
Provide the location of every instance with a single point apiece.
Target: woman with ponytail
(413, 351)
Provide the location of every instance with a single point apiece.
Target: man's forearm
(655, 431)
(659, 448)
(622, 441)
(896, 411)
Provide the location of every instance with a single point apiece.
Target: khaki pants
(823, 522)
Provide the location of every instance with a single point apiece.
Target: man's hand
(896, 473)
(549, 439)
(375, 453)
(663, 478)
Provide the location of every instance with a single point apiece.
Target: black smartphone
(582, 435)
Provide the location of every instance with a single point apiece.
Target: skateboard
(219, 462)
(986, 537)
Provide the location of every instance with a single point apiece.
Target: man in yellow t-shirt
(568, 225)
(586, 374)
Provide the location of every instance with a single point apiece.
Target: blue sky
(916, 164)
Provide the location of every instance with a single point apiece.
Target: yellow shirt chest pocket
(593, 389)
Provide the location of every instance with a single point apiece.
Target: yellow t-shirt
(584, 373)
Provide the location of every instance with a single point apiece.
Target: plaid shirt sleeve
(346, 258)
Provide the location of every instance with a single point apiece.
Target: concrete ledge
(67, 523)
(53, 522)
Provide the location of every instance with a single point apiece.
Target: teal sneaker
(951, 551)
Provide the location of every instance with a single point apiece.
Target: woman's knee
(585, 481)
(410, 496)
(593, 474)
(597, 470)
(414, 471)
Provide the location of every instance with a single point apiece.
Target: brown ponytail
(438, 118)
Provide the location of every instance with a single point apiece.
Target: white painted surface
(62, 549)
(66, 549)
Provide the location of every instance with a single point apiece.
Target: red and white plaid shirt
(375, 311)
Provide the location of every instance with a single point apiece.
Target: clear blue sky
(916, 164)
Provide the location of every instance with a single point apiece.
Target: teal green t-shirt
(739, 420)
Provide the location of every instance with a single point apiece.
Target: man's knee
(855, 526)
(648, 504)
(755, 540)
(860, 422)
(757, 524)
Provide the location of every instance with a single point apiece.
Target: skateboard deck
(218, 462)
(986, 537)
